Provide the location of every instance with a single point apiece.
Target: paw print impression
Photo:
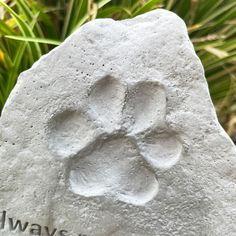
(116, 143)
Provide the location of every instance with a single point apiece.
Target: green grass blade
(78, 11)
(146, 7)
(23, 6)
(169, 4)
(89, 13)
(109, 11)
(38, 40)
(205, 8)
(102, 3)
(5, 29)
(220, 74)
(25, 29)
(183, 8)
(218, 12)
(67, 19)
(31, 16)
(229, 59)
(216, 52)
(15, 69)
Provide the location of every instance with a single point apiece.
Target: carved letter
(18, 225)
(63, 233)
(3, 220)
(47, 231)
(36, 229)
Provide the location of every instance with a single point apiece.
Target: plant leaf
(38, 40)
(25, 29)
(217, 52)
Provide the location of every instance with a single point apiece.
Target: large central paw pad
(118, 142)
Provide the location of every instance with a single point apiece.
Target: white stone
(114, 133)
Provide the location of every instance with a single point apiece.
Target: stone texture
(114, 133)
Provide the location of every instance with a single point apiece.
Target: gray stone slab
(114, 133)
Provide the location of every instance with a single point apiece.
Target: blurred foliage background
(30, 28)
